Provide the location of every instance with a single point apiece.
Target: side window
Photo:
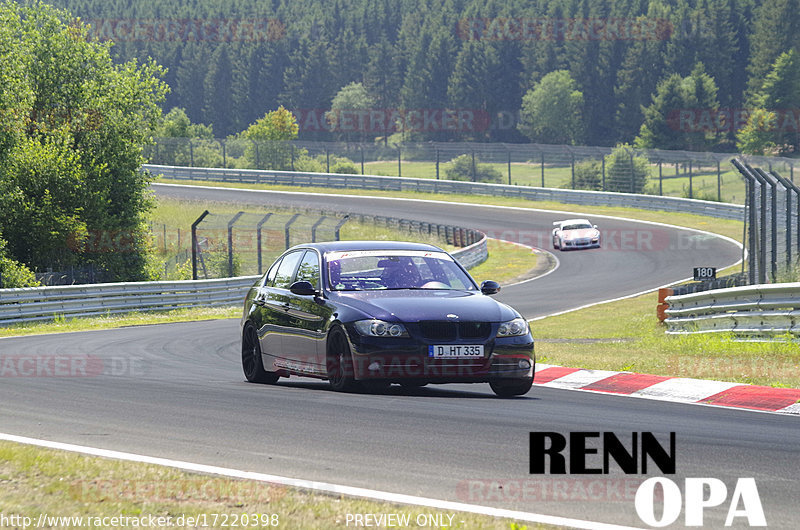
(285, 271)
(269, 278)
(309, 269)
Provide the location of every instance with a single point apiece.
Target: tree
(73, 172)
(774, 125)
(626, 172)
(218, 107)
(349, 111)
(267, 148)
(551, 110)
(466, 167)
(174, 133)
(682, 113)
(775, 29)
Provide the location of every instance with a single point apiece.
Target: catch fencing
(367, 182)
(756, 312)
(32, 304)
(700, 175)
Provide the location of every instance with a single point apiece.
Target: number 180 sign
(704, 274)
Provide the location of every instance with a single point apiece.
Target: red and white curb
(677, 389)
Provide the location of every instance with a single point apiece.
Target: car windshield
(367, 270)
(577, 226)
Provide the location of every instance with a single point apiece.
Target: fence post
(314, 228)
(660, 179)
(191, 153)
(603, 159)
(194, 243)
(292, 160)
(691, 192)
(258, 162)
(542, 159)
(572, 168)
(437, 163)
(508, 152)
(224, 154)
(339, 226)
(361, 148)
(258, 239)
(230, 242)
(719, 183)
(286, 229)
(399, 161)
(327, 162)
(474, 176)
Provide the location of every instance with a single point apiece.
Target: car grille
(450, 331)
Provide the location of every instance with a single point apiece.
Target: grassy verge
(644, 347)
(56, 483)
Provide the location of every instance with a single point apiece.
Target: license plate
(455, 351)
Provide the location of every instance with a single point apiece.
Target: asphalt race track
(177, 391)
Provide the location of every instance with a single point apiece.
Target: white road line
(318, 486)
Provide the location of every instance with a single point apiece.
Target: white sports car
(575, 233)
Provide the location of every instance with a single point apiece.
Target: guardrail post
(194, 243)
(258, 239)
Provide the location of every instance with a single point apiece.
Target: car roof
(332, 246)
(574, 221)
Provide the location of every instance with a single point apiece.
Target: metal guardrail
(368, 182)
(757, 311)
(32, 304)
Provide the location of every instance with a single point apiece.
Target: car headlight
(379, 328)
(513, 328)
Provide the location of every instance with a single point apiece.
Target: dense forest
(620, 63)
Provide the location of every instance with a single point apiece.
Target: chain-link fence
(689, 174)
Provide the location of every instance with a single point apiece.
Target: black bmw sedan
(373, 313)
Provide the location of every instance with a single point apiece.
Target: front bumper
(407, 359)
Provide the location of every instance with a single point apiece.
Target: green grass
(57, 483)
(704, 180)
(644, 347)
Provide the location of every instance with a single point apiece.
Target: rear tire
(339, 362)
(252, 362)
(511, 388)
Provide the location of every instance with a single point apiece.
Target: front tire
(339, 362)
(252, 362)
(505, 389)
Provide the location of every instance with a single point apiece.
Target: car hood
(580, 233)
(417, 305)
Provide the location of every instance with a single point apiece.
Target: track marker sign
(705, 274)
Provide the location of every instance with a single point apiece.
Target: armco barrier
(31, 304)
(758, 311)
(366, 182)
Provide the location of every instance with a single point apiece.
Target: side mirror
(302, 288)
(490, 287)
(594, 226)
